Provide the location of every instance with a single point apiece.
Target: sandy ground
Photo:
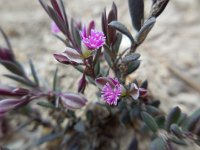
(170, 55)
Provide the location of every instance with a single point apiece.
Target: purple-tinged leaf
(136, 9)
(104, 23)
(6, 54)
(64, 14)
(72, 100)
(10, 91)
(69, 56)
(114, 8)
(122, 28)
(58, 20)
(101, 81)
(56, 7)
(10, 104)
(111, 31)
(21, 91)
(90, 27)
(82, 84)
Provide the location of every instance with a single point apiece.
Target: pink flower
(54, 28)
(111, 89)
(137, 92)
(93, 40)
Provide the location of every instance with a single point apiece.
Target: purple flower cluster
(94, 40)
(111, 94)
(110, 89)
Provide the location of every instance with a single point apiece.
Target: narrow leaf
(122, 28)
(46, 104)
(6, 39)
(64, 13)
(158, 6)
(20, 80)
(55, 80)
(146, 28)
(136, 9)
(34, 74)
(12, 67)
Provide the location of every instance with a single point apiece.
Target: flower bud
(6, 55)
(72, 100)
(10, 104)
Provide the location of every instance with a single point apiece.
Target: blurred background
(170, 54)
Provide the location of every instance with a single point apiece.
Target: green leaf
(20, 80)
(117, 43)
(97, 68)
(136, 9)
(176, 130)
(34, 74)
(75, 33)
(79, 68)
(146, 28)
(55, 80)
(125, 117)
(172, 117)
(152, 110)
(158, 144)
(160, 120)
(108, 59)
(122, 28)
(189, 123)
(150, 121)
(89, 116)
(46, 104)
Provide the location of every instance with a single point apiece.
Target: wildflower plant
(122, 103)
